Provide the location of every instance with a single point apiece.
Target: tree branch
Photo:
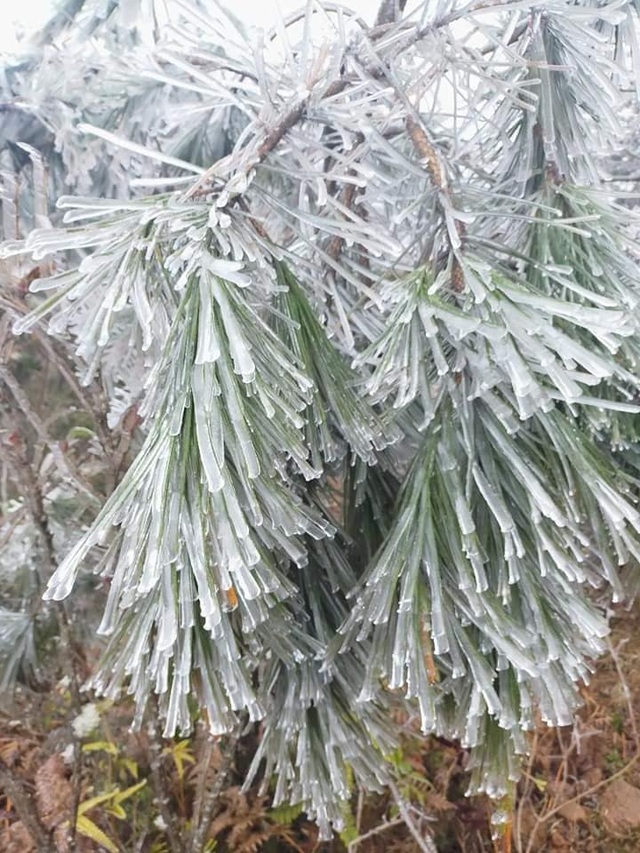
(426, 150)
(291, 116)
(389, 12)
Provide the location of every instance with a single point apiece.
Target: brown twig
(128, 425)
(425, 843)
(528, 775)
(336, 243)
(427, 151)
(613, 651)
(287, 120)
(377, 830)
(207, 800)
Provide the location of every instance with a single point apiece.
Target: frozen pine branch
(366, 260)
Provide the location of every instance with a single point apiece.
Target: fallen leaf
(620, 806)
(558, 841)
(53, 792)
(574, 812)
(16, 839)
(593, 776)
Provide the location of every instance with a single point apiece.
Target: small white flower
(159, 823)
(86, 721)
(67, 755)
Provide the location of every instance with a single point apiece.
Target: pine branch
(293, 115)
(491, 306)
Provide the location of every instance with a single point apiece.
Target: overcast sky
(27, 15)
(24, 15)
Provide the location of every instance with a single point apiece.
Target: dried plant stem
(427, 151)
(528, 775)
(425, 843)
(76, 775)
(207, 799)
(199, 797)
(76, 793)
(613, 651)
(26, 809)
(377, 830)
(360, 808)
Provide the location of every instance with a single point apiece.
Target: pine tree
(381, 317)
